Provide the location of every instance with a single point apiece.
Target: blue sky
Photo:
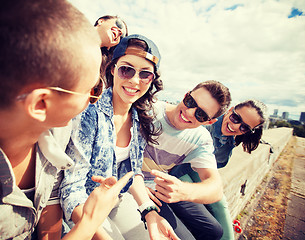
(256, 48)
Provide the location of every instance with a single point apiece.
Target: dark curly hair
(249, 140)
(143, 105)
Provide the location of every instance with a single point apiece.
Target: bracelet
(145, 212)
(146, 205)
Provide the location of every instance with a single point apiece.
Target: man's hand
(103, 198)
(151, 193)
(97, 207)
(169, 188)
(159, 228)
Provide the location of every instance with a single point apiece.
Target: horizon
(255, 48)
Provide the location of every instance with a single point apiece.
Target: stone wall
(245, 172)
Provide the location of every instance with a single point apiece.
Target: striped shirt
(194, 146)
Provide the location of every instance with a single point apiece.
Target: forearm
(138, 190)
(84, 229)
(100, 233)
(208, 191)
(50, 223)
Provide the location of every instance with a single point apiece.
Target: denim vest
(223, 144)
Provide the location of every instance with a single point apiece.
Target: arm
(97, 207)
(50, 223)
(170, 189)
(100, 233)
(79, 149)
(157, 225)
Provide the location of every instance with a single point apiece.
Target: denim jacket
(223, 144)
(92, 147)
(19, 215)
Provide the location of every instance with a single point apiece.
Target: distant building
(302, 117)
(285, 115)
(294, 122)
(275, 112)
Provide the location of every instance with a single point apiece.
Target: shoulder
(159, 108)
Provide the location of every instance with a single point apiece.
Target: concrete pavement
(295, 219)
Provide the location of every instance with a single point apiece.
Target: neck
(120, 107)
(170, 111)
(17, 137)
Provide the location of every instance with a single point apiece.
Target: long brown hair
(249, 140)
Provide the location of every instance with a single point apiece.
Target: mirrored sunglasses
(200, 114)
(127, 72)
(236, 119)
(119, 23)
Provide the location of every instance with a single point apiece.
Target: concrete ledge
(245, 172)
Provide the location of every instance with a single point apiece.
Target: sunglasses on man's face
(200, 114)
(95, 93)
(236, 119)
(127, 72)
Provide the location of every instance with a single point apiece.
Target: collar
(216, 128)
(105, 104)
(6, 174)
(52, 144)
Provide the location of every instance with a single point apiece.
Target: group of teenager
(86, 149)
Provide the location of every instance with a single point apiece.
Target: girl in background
(242, 124)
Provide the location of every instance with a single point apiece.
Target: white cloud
(254, 49)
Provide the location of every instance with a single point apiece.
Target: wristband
(146, 205)
(145, 212)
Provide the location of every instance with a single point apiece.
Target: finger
(155, 200)
(109, 182)
(161, 182)
(162, 175)
(151, 194)
(173, 234)
(122, 182)
(162, 197)
(98, 179)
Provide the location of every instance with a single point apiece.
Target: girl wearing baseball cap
(109, 139)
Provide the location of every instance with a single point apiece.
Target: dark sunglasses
(190, 102)
(119, 23)
(127, 72)
(236, 119)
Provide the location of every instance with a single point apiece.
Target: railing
(245, 172)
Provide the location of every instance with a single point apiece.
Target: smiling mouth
(130, 90)
(230, 129)
(184, 118)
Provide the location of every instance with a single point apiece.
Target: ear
(100, 21)
(112, 70)
(36, 103)
(214, 120)
(210, 122)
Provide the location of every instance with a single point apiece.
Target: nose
(135, 79)
(191, 112)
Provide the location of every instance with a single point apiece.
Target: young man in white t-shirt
(184, 141)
